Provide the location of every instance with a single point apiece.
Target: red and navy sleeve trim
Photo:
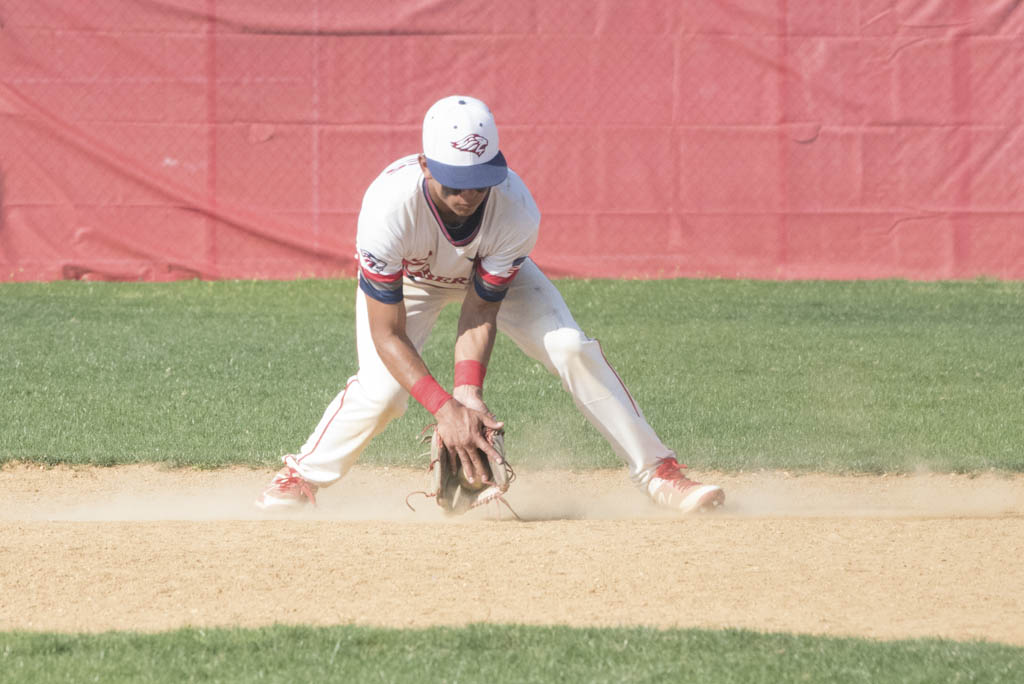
(493, 288)
(383, 288)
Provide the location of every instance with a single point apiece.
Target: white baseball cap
(460, 142)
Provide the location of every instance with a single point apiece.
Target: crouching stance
(454, 225)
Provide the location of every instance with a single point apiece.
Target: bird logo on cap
(474, 142)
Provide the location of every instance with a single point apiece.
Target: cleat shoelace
(293, 481)
(670, 469)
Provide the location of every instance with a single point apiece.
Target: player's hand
(472, 397)
(462, 429)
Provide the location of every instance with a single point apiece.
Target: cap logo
(473, 142)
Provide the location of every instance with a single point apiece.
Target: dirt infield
(147, 549)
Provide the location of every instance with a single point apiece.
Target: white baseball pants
(534, 315)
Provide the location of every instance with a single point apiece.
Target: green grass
(487, 653)
(735, 375)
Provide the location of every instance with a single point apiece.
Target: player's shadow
(547, 509)
(491, 512)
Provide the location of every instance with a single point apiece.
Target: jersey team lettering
(420, 269)
(415, 268)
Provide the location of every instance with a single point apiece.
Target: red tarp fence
(162, 139)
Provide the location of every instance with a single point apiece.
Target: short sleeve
(379, 252)
(494, 273)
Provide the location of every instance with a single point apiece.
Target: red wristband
(470, 373)
(429, 392)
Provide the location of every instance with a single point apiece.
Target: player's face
(454, 204)
(462, 203)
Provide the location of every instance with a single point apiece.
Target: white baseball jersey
(400, 233)
(401, 238)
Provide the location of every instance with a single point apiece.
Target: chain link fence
(757, 138)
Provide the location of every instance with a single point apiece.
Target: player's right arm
(381, 242)
(460, 427)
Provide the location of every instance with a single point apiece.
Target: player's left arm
(493, 274)
(473, 345)
(478, 326)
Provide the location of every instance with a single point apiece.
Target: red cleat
(671, 488)
(287, 491)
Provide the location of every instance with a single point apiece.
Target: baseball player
(454, 225)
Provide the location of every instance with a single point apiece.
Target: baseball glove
(450, 488)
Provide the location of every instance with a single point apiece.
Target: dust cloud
(150, 493)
